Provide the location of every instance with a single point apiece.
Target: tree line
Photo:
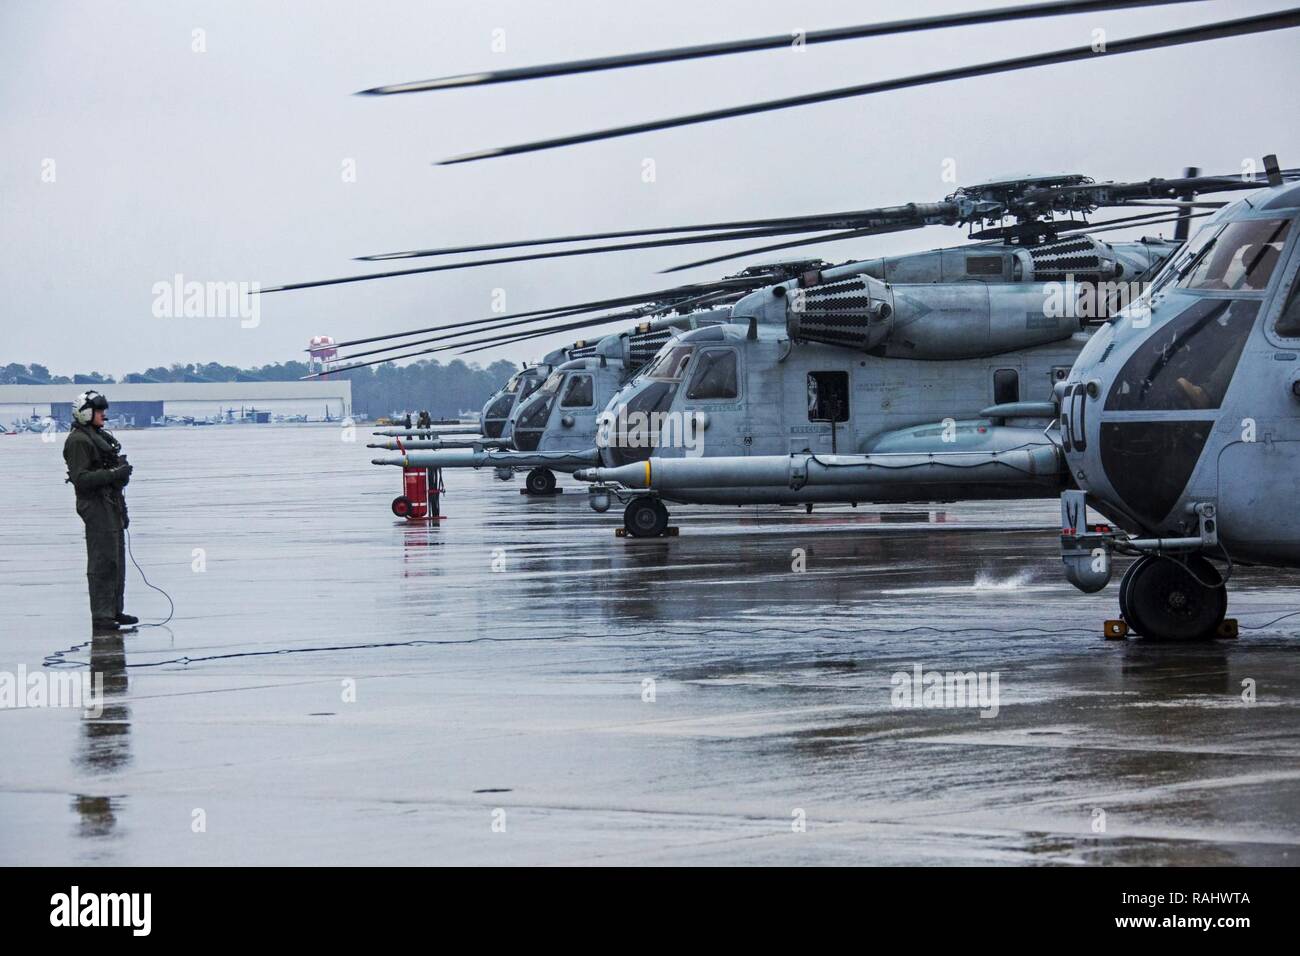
(443, 390)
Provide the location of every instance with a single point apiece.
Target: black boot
(126, 620)
(104, 626)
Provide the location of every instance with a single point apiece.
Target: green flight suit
(90, 454)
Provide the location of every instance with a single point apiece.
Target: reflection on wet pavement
(339, 687)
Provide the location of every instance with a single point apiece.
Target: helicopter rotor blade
(1128, 222)
(1171, 204)
(1211, 31)
(603, 320)
(458, 334)
(730, 282)
(784, 40)
(583, 251)
(710, 294)
(753, 251)
(498, 340)
(538, 314)
(647, 309)
(831, 217)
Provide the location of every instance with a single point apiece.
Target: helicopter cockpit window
(1241, 258)
(1189, 362)
(1288, 320)
(578, 393)
(501, 406)
(1186, 255)
(529, 385)
(715, 375)
(512, 386)
(828, 396)
(671, 365)
(534, 412)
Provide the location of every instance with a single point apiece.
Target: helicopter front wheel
(1164, 599)
(540, 481)
(645, 517)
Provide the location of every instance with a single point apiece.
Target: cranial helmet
(87, 403)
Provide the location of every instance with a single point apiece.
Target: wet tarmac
(339, 687)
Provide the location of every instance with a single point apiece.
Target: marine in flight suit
(98, 471)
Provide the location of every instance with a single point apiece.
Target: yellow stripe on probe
(647, 472)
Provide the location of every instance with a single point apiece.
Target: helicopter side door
(574, 419)
(826, 427)
(714, 415)
(1259, 468)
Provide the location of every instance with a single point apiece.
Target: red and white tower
(321, 351)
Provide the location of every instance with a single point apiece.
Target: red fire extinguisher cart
(422, 493)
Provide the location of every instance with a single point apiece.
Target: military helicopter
(605, 364)
(1180, 421)
(840, 359)
(549, 424)
(1032, 229)
(552, 426)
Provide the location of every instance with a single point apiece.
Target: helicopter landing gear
(540, 481)
(645, 517)
(1164, 599)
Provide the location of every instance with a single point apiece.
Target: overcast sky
(228, 164)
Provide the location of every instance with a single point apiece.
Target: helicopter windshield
(552, 383)
(1240, 258)
(530, 385)
(500, 407)
(1186, 256)
(537, 409)
(670, 366)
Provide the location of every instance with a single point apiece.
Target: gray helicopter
(959, 369)
(1031, 197)
(950, 351)
(1180, 422)
(552, 425)
(591, 373)
(555, 428)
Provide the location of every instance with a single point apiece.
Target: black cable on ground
(171, 605)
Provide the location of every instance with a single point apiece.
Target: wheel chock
(1227, 629)
(1115, 630)
(670, 532)
(620, 532)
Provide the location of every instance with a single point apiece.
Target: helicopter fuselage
(1191, 398)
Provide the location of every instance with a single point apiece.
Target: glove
(121, 475)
